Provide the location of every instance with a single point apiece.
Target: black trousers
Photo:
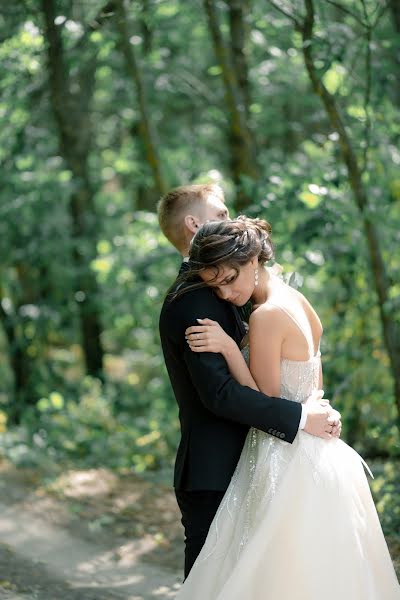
(198, 509)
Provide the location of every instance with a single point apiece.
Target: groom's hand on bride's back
(322, 420)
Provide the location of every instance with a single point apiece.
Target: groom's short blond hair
(180, 202)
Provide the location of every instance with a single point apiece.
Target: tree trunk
(71, 114)
(144, 194)
(146, 134)
(391, 330)
(238, 11)
(147, 31)
(395, 10)
(243, 152)
(20, 364)
(15, 321)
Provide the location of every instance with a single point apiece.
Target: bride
(298, 521)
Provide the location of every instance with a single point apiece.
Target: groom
(215, 412)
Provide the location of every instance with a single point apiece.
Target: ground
(90, 535)
(133, 525)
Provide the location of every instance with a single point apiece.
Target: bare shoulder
(267, 316)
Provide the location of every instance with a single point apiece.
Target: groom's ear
(192, 223)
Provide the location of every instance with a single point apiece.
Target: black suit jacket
(215, 411)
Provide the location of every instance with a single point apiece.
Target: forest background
(293, 107)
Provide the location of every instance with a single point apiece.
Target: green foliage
(92, 426)
(386, 488)
(130, 420)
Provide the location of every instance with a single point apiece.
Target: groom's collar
(184, 266)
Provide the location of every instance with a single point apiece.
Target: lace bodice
(299, 378)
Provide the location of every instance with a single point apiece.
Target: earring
(256, 276)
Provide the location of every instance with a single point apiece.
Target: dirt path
(72, 568)
(90, 535)
(72, 539)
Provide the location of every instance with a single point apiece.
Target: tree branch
(347, 11)
(146, 131)
(380, 11)
(103, 16)
(289, 15)
(243, 155)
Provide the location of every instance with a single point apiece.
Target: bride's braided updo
(220, 244)
(232, 243)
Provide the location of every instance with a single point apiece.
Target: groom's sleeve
(222, 394)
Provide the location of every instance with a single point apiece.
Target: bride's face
(231, 286)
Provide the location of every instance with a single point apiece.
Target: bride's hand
(208, 336)
(335, 420)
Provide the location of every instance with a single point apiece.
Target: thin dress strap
(307, 334)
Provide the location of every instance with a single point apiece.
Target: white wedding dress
(297, 522)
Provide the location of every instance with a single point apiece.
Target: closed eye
(227, 281)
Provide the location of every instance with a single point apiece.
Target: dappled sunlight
(86, 484)
(116, 367)
(130, 516)
(79, 562)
